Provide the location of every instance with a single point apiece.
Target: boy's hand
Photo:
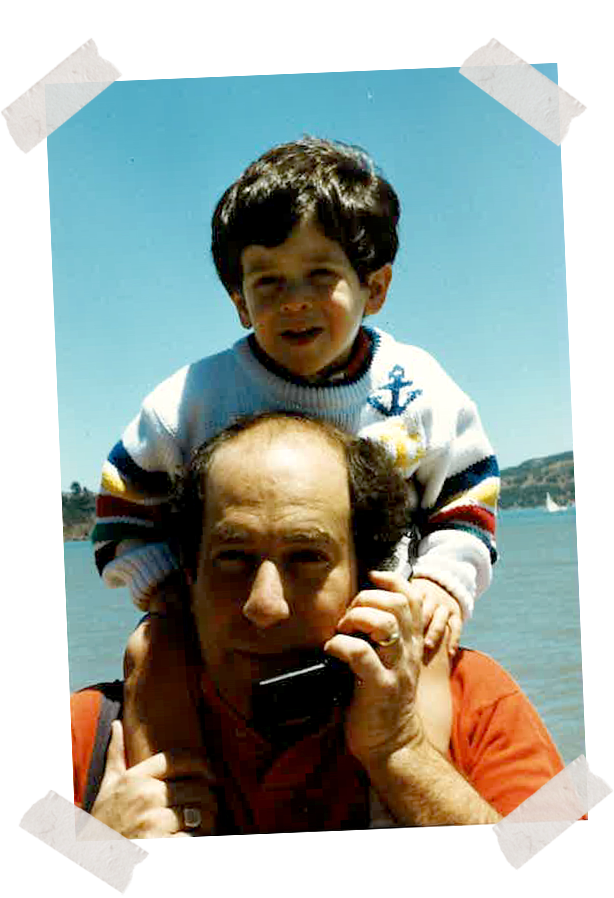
(439, 610)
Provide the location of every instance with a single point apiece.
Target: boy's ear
(378, 283)
(241, 307)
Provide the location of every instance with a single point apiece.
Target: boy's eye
(269, 282)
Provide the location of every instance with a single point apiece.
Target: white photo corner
(46, 80)
(504, 68)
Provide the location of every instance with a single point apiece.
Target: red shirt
(498, 743)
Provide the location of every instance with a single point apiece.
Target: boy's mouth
(304, 335)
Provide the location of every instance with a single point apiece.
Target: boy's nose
(296, 298)
(266, 604)
(295, 304)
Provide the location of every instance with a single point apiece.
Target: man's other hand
(148, 801)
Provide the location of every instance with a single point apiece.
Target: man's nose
(266, 604)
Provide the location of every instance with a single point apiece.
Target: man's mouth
(280, 659)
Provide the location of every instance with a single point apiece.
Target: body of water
(529, 620)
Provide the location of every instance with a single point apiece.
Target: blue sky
(479, 280)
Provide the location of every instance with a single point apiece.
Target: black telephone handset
(303, 695)
(308, 694)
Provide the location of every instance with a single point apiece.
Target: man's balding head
(380, 513)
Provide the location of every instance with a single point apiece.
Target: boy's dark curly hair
(335, 183)
(378, 492)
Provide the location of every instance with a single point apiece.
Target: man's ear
(241, 307)
(378, 283)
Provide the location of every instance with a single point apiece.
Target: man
(284, 555)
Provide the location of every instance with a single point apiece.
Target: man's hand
(383, 727)
(439, 610)
(148, 800)
(382, 715)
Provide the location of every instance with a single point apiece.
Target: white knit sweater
(404, 399)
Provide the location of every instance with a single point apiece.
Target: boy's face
(305, 301)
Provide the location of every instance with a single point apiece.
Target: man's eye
(311, 557)
(322, 275)
(232, 560)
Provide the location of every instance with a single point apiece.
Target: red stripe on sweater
(470, 514)
(113, 507)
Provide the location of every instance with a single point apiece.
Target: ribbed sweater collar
(311, 397)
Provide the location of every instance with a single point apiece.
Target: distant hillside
(526, 485)
(78, 512)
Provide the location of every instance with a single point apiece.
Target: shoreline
(60, 537)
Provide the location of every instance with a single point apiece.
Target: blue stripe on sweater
(104, 555)
(466, 528)
(465, 480)
(154, 483)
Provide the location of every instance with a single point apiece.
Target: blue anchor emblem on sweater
(400, 394)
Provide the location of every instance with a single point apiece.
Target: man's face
(276, 568)
(305, 301)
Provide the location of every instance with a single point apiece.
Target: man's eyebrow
(230, 534)
(313, 535)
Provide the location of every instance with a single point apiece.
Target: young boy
(304, 243)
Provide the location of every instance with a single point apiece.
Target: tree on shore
(78, 511)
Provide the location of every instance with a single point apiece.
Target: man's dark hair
(379, 498)
(335, 183)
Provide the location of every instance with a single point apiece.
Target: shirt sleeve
(499, 743)
(132, 504)
(441, 447)
(459, 489)
(515, 755)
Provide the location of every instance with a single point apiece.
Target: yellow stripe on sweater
(484, 494)
(113, 483)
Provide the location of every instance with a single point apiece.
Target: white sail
(551, 505)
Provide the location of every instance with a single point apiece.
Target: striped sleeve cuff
(451, 583)
(141, 570)
(468, 505)
(458, 562)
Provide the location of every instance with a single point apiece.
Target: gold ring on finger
(389, 640)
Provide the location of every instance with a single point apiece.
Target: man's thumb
(116, 753)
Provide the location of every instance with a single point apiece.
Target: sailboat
(552, 506)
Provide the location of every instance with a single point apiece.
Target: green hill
(526, 485)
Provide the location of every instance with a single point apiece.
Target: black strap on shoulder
(110, 709)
